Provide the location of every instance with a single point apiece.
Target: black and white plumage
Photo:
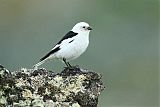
(71, 46)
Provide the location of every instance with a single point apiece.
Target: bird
(70, 47)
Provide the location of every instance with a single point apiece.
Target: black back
(70, 34)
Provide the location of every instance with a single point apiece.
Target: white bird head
(81, 27)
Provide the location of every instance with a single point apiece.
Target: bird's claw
(72, 67)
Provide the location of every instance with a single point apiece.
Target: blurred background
(123, 45)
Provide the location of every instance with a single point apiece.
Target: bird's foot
(72, 67)
(71, 70)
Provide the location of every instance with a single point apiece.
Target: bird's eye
(84, 27)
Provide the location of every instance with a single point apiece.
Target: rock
(73, 87)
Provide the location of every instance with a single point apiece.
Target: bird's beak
(89, 28)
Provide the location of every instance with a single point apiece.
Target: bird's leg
(64, 60)
(69, 65)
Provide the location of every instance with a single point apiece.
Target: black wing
(70, 34)
(49, 53)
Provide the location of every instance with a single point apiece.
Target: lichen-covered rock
(41, 88)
